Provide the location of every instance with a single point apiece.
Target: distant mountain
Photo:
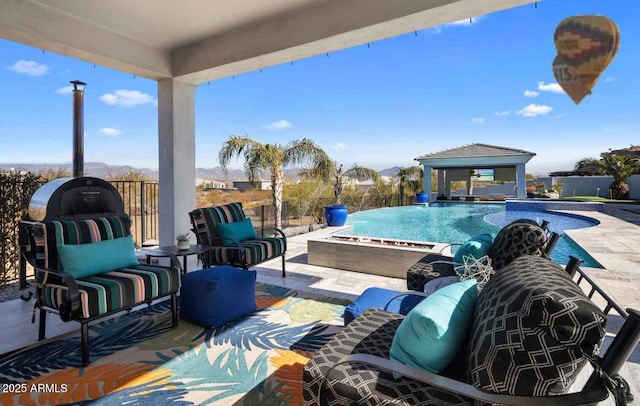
(102, 170)
(95, 169)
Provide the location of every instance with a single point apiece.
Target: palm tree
(260, 158)
(620, 168)
(411, 178)
(328, 169)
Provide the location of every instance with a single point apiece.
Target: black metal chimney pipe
(78, 128)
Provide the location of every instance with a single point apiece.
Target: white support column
(441, 179)
(176, 158)
(521, 182)
(426, 183)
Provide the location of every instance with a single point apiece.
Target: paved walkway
(614, 243)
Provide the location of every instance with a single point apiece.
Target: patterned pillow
(532, 327)
(515, 240)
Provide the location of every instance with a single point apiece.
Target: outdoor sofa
(530, 333)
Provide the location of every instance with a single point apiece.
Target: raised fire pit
(377, 256)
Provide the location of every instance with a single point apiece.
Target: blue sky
(379, 105)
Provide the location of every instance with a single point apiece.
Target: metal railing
(141, 204)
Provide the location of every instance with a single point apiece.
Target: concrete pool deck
(615, 244)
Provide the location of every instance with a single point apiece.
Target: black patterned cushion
(423, 271)
(532, 326)
(514, 240)
(370, 333)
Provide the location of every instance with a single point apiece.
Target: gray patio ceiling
(201, 40)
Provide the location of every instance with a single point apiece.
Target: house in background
(633, 150)
(244, 185)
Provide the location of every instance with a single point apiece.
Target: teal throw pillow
(435, 330)
(94, 258)
(239, 231)
(478, 246)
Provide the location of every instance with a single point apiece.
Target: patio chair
(232, 239)
(87, 269)
(520, 237)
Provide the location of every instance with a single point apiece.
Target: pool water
(457, 222)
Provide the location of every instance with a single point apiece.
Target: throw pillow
(532, 327)
(517, 239)
(83, 260)
(238, 231)
(436, 329)
(478, 246)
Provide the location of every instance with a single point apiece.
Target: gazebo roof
(476, 150)
(481, 155)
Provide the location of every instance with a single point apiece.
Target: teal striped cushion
(49, 234)
(104, 293)
(256, 251)
(206, 221)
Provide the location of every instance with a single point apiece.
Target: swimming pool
(457, 222)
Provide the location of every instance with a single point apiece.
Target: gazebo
(459, 164)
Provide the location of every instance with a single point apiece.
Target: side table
(173, 251)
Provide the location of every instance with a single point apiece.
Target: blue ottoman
(378, 298)
(215, 296)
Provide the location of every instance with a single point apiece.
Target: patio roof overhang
(181, 44)
(201, 40)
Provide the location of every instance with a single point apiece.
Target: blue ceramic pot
(335, 214)
(421, 198)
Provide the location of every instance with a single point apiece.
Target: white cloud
(502, 113)
(550, 87)
(477, 120)
(65, 90)
(127, 98)
(278, 125)
(31, 68)
(609, 79)
(109, 132)
(534, 110)
(340, 146)
(530, 93)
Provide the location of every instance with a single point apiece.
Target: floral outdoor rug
(139, 359)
